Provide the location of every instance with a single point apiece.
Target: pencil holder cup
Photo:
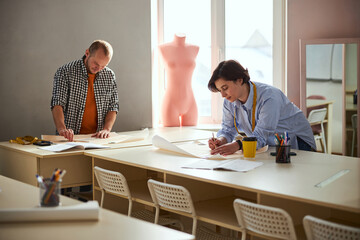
(50, 193)
(283, 153)
(249, 147)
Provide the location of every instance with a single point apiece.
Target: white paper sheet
(233, 165)
(72, 145)
(77, 137)
(83, 211)
(130, 138)
(197, 149)
(114, 138)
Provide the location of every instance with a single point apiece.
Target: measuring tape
(252, 113)
(27, 140)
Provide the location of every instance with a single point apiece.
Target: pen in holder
(50, 193)
(50, 188)
(283, 153)
(282, 148)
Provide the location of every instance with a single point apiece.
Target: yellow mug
(249, 147)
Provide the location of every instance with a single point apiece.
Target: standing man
(85, 98)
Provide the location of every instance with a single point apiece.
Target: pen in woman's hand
(213, 140)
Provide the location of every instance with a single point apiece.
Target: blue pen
(287, 137)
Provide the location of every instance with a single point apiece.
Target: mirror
(329, 76)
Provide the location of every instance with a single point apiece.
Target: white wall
(38, 36)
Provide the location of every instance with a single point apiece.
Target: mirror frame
(303, 43)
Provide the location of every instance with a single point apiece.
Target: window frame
(217, 53)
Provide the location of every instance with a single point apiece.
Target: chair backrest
(354, 121)
(317, 115)
(172, 197)
(264, 220)
(316, 97)
(112, 182)
(318, 229)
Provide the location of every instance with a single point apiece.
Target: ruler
(332, 178)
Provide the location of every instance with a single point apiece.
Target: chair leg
(353, 144)
(323, 137)
(102, 197)
(243, 235)
(157, 213)
(130, 208)
(324, 143)
(194, 226)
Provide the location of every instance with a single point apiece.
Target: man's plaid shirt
(70, 90)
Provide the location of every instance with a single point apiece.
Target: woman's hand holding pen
(214, 142)
(226, 149)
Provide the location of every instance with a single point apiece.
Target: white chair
(264, 220)
(318, 229)
(115, 183)
(317, 116)
(354, 127)
(177, 198)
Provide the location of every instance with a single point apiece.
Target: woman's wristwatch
(240, 144)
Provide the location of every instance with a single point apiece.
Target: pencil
(213, 139)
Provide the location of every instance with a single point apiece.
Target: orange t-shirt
(89, 120)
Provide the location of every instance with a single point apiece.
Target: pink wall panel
(313, 19)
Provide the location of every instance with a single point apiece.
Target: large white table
(22, 162)
(288, 186)
(111, 225)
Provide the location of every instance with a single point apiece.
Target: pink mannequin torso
(179, 101)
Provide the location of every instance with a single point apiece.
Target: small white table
(110, 225)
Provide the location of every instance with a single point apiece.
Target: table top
(295, 181)
(110, 225)
(350, 106)
(172, 134)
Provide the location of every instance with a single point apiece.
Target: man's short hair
(104, 45)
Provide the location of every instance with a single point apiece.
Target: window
(248, 36)
(244, 30)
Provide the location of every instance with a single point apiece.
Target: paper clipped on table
(83, 211)
(196, 149)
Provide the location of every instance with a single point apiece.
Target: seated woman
(257, 109)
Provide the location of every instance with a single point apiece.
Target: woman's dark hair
(229, 70)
